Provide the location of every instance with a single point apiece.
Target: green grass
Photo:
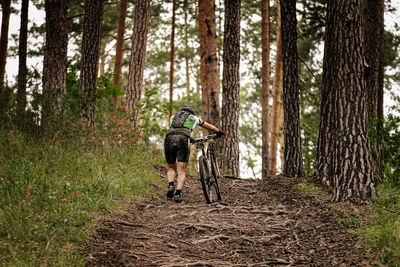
(51, 194)
(309, 189)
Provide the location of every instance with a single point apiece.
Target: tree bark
(209, 62)
(230, 87)
(293, 165)
(344, 94)
(265, 74)
(5, 21)
(119, 47)
(137, 61)
(374, 29)
(172, 59)
(22, 53)
(277, 94)
(90, 57)
(55, 58)
(185, 32)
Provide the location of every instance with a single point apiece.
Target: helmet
(188, 109)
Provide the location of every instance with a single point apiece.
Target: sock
(177, 192)
(171, 183)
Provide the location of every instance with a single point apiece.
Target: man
(177, 147)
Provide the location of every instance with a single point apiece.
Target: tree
(343, 127)
(230, 87)
(55, 56)
(136, 65)
(277, 95)
(209, 62)
(4, 43)
(172, 58)
(374, 29)
(22, 53)
(265, 13)
(293, 165)
(90, 57)
(185, 32)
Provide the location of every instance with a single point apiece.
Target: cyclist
(177, 147)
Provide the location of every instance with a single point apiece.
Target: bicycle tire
(203, 170)
(215, 173)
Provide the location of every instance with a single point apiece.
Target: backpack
(179, 119)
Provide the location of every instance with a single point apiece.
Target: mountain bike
(208, 168)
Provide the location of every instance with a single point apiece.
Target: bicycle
(208, 167)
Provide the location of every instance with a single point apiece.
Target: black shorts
(176, 148)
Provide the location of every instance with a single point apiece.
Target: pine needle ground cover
(50, 193)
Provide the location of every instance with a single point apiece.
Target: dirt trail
(259, 223)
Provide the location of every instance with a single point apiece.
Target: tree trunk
(277, 95)
(137, 61)
(230, 87)
(345, 114)
(374, 29)
(22, 53)
(55, 58)
(90, 57)
(5, 21)
(185, 28)
(172, 59)
(209, 62)
(293, 165)
(265, 69)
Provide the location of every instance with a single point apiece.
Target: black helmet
(188, 109)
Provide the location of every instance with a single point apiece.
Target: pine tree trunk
(172, 59)
(90, 57)
(293, 165)
(55, 58)
(374, 29)
(209, 62)
(277, 95)
(5, 21)
(344, 86)
(22, 68)
(185, 28)
(137, 61)
(230, 87)
(265, 39)
(119, 47)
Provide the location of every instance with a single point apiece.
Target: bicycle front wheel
(204, 178)
(215, 173)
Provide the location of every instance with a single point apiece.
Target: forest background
(158, 65)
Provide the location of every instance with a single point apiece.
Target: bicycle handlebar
(205, 138)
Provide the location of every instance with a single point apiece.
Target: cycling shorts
(176, 148)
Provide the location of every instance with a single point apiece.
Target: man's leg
(181, 175)
(171, 177)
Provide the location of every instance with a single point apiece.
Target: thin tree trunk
(265, 74)
(185, 31)
(55, 58)
(5, 21)
(90, 57)
(230, 87)
(209, 62)
(22, 53)
(374, 29)
(172, 59)
(119, 47)
(277, 94)
(293, 165)
(137, 61)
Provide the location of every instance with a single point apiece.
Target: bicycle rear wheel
(215, 173)
(204, 178)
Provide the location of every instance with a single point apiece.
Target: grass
(50, 194)
(309, 189)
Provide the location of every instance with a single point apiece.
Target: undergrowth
(51, 192)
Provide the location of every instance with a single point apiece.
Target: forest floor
(258, 223)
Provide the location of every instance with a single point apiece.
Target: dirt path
(259, 223)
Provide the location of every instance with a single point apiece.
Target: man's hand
(221, 133)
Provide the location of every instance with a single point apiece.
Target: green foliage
(50, 193)
(381, 233)
(309, 189)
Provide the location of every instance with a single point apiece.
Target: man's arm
(210, 127)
